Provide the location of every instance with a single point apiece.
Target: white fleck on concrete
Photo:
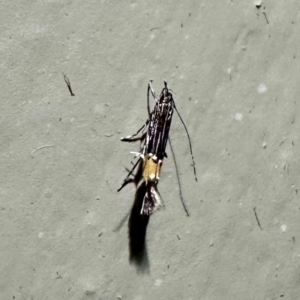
(262, 88)
(283, 228)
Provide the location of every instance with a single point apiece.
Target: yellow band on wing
(151, 169)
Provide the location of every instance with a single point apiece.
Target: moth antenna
(148, 105)
(178, 180)
(170, 90)
(190, 143)
(150, 88)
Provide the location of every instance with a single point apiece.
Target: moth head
(165, 93)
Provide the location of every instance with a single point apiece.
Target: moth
(154, 136)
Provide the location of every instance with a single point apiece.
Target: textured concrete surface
(234, 68)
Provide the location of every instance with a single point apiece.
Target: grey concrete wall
(234, 69)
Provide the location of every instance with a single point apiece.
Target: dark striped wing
(160, 122)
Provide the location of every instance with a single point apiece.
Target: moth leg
(140, 153)
(129, 138)
(125, 182)
(136, 178)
